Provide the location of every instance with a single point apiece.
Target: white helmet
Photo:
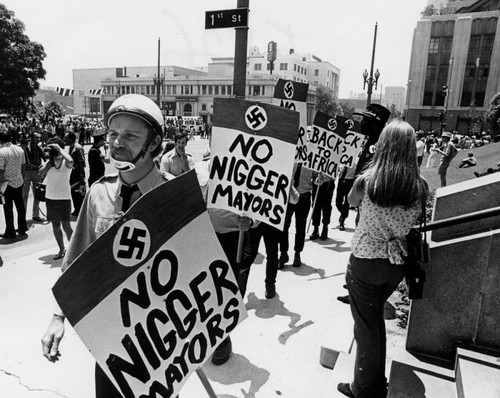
(140, 106)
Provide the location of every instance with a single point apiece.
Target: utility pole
(240, 56)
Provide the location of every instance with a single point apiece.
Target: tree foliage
(326, 101)
(346, 108)
(395, 114)
(493, 116)
(20, 65)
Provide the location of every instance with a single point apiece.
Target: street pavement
(276, 350)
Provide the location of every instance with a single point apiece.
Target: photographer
(58, 195)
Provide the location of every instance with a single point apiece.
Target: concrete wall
(462, 291)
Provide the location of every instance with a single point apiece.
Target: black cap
(376, 112)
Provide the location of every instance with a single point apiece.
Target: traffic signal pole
(240, 56)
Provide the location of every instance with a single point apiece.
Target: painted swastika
(288, 89)
(256, 117)
(132, 243)
(349, 123)
(332, 124)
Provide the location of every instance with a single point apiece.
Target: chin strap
(124, 165)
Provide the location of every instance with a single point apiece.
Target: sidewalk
(276, 350)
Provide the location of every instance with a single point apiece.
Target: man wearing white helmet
(135, 127)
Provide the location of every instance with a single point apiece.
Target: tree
(20, 65)
(493, 117)
(476, 119)
(326, 101)
(346, 108)
(395, 114)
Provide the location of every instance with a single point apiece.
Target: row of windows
(284, 66)
(170, 89)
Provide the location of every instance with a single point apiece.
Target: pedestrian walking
(389, 194)
(448, 152)
(322, 193)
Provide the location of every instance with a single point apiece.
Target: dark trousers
(301, 210)
(341, 202)
(323, 203)
(370, 283)
(229, 243)
(271, 237)
(14, 196)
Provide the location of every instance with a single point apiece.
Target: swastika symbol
(332, 124)
(350, 123)
(288, 89)
(133, 242)
(256, 117)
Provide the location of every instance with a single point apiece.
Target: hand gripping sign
(253, 147)
(293, 95)
(149, 308)
(334, 141)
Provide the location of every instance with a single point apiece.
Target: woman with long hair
(390, 195)
(58, 194)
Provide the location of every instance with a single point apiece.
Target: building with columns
(190, 92)
(455, 65)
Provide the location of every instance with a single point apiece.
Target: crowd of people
(384, 188)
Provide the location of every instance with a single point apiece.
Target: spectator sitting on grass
(490, 170)
(469, 161)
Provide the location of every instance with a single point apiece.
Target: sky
(81, 34)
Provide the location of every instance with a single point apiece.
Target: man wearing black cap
(96, 158)
(374, 119)
(135, 127)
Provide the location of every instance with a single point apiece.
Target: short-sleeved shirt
(381, 231)
(172, 163)
(101, 208)
(11, 160)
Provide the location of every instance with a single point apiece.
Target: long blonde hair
(393, 177)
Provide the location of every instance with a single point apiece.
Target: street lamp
(158, 83)
(371, 79)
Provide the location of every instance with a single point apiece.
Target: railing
(448, 222)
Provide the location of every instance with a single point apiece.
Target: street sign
(235, 18)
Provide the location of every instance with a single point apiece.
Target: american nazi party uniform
(109, 197)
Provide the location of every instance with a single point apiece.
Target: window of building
(268, 66)
(229, 90)
(174, 90)
(148, 90)
(295, 67)
(256, 90)
(316, 72)
(204, 90)
(257, 67)
(210, 90)
(283, 66)
(216, 90)
(434, 45)
(203, 107)
(488, 44)
(223, 90)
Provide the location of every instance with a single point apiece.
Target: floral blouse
(381, 232)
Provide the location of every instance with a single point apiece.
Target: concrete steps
(477, 374)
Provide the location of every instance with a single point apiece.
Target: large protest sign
(293, 95)
(149, 308)
(253, 147)
(334, 141)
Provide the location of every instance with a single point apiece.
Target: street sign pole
(240, 56)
